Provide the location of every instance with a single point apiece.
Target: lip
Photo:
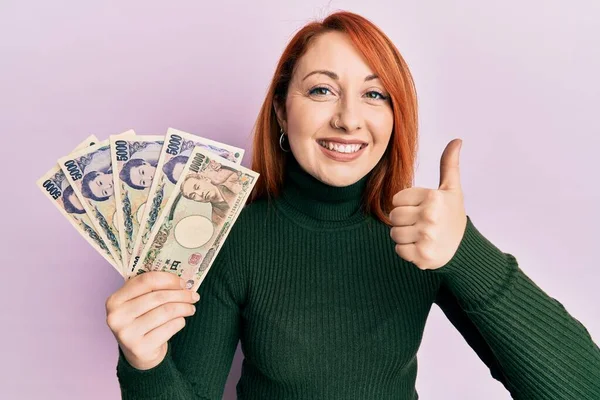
(343, 157)
(342, 141)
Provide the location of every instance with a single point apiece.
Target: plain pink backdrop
(516, 80)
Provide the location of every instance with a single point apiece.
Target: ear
(280, 112)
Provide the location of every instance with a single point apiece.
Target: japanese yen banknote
(152, 202)
(197, 217)
(175, 152)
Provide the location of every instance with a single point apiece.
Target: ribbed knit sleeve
(534, 346)
(199, 356)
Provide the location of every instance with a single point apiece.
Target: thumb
(449, 166)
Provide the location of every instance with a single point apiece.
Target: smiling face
(332, 85)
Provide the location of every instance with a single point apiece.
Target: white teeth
(340, 148)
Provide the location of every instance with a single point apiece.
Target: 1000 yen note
(89, 171)
(55, 186)
(176, 150)
(198, 216)
(134, 161)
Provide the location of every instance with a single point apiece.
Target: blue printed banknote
(152, 202)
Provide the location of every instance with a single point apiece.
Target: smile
(342, 148)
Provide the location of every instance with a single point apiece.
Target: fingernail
(196, 296)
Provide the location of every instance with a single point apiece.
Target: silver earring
(336, 125)
(281, 141)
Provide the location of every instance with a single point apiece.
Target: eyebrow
(335, 76)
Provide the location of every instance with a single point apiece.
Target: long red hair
(395, 170)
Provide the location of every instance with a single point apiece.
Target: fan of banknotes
(152, 202)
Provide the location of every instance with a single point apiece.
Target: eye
(376, 93)
(142, 172)
(143, 183)
(318, 90)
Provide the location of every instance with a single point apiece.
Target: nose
(349, 117)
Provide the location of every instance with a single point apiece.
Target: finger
(410, 197)
(142, 284)
(404, 216)
(163, 333)
(134, 308)
(404, 234)
(139, 306)
(407, 252)
(160, 315)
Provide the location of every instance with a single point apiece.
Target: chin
(340, 178)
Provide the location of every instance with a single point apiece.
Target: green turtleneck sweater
(325, 309)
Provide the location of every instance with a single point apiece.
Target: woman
(328, 301)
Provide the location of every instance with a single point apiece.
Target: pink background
(516, 80)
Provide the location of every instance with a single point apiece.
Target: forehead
(190, 181)
(333, 51)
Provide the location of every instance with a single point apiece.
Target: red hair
(395, 170)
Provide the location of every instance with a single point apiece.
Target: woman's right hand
(146, 312)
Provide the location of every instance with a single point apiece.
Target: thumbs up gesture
(429, 224)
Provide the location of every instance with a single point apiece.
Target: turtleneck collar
(315, 204)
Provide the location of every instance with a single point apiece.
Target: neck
(312, 202)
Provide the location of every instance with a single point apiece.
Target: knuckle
(170, 309)
(124, 337)
(424, 253)
(110, 321)
(426, 234)
(137, 349)
(108, 303)
(141, 279)
(131, 335)
(146, 279)
(428, 214)
(432, 195)
(161, 297)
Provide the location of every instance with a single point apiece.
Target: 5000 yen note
(89, 171)
(197, 217)
(56, 188)
(176, 150)
(134, 161)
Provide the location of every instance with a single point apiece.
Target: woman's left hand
(429, 224)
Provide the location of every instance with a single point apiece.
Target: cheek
(306, 118)
(96, 189)
(381, 128)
